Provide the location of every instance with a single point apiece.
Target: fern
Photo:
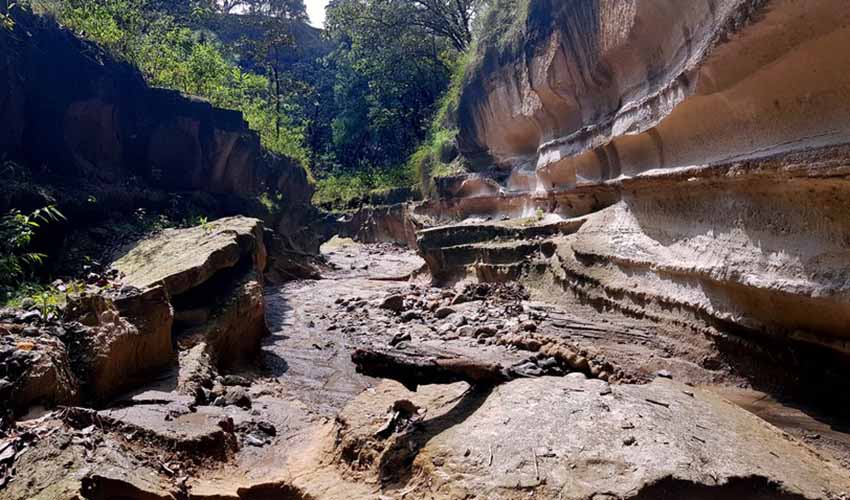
(16, 233)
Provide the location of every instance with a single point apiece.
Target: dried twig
(536, 466)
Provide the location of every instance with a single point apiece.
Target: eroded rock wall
(715, 134)
(71, 108)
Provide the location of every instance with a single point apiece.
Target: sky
(316, 11)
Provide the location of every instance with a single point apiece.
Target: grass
(47, 299)
(339, 189)
(426, 163)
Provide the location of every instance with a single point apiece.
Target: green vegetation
(16, 233)
(338, 190)
(46, 299)
(173, 56)
(375, 112)
(394, 96)
(431, 159)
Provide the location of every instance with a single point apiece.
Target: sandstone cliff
(707, 140)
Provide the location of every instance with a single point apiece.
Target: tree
(287, 9)
(385, 86)
(450, 20)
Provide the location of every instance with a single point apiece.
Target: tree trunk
(413, 369)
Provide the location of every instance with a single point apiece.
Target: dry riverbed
(593, 405)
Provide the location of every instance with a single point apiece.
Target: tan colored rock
(128, 341)
(234, 332)
(717, 139)
(577, 439)
(182, 259)
(47, 378)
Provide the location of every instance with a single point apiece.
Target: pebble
(410, 316)
(444, 312)
(399, 338)
(255, 441)
(231, 380)
(237, 396)
(393, 303)
(466, 331)
(30, 316)
(267, 427)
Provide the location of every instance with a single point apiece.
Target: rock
(444, 312)
(485, 331)
(232, 380)
(393, 303)
(734, 443)
(267, 427)
(540, 103)
(237, 396)
(466, 331)
(664, 374)
(399, 338)
(182, 259)
(410, 316)
(458, 320)
(446, 328)
(128, 340)
(27, 304)
(236, 325)
(42, 374)
(29, 317)
(254, 440)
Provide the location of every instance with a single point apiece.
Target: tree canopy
(290, 9)
(355, 114)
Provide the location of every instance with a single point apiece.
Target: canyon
(640, 290)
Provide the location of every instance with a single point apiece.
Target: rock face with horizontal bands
(105, 123)
(707, 140)
(213, 275)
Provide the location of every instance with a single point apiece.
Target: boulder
(394, 303)
(233, 333)
(182, 259)
(127, 340)
(35, 370)
(576, 438)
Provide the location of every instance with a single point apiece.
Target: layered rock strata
(714, 133)
(214, 277)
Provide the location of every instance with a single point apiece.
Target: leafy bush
(16, 233)
(340, 188)
(426, 162)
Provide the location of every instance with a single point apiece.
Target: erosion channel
(636, 287)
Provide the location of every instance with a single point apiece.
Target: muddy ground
(305, 424)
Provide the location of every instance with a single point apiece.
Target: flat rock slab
(176, 423)
(182, 259)
(574, 438)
